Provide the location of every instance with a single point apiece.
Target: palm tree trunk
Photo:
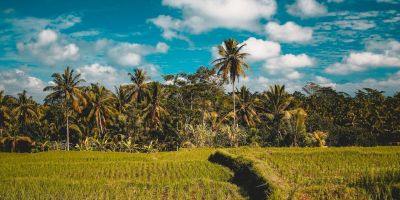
(66, 116)
(234, 104)
(14, 142)
(101, 126)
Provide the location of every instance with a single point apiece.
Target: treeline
(193, 110)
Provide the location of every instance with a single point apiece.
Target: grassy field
(98, 175)
(302, 173)
(329, 173)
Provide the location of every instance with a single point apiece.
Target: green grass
(99, 175)
(302, 173)
(330, 173)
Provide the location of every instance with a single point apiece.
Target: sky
(344, 44)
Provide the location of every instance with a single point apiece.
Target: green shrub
(23, 144)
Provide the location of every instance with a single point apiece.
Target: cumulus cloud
(390, 84)
(202, 16)
(16, 80)
(171, 28)
(261, 50)
(130, 54)
(103, 74)
(48, 49)
(289, 61)
(357, 62)
(381, 54)
(307, 8)
(287, 64)
(288, 32)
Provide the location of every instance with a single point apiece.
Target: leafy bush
(350, 136)
(22, 144)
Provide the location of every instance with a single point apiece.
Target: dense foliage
(195, 110)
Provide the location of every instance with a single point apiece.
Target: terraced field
(98, 175)
(288, 173)
(329, 173)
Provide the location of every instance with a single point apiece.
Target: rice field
(298, 173)
(100, 175)
(329, 173)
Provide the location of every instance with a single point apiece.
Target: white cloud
(335, 1)
(287, 64)
(357, 62)
(289, 61)
(388, 47)
(288, 32)
(390, 84)
(261, 50)
(17, 80)
(325, 82)
(153, 71)
(130, 54)
(85, 33)
(8, 11)
(202, 16)
(378, 54)
(103, 74)
(162, 47)
(31, 25)
(355, 24)
(48, 49)
(388, 1)
(307, 8)
(171, 27)
(46, 37)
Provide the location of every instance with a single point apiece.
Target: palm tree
(66, 88)
(246, 113)
(121, 98)
(101, 103)
(154, 111)
(296, 123)
(25, 111)
(275, 103)
(4, 112)
(140, 87)
(231, 64)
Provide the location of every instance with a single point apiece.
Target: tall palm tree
(25, 111)
(275, 103)
(247, 113)
(121, 98)
(155, 111)
(140, 87)
(66, 88)
(231, 63)
(4, 112)
(101, 106)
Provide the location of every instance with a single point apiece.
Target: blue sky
(345, 44)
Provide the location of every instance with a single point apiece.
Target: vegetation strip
(247, 176)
